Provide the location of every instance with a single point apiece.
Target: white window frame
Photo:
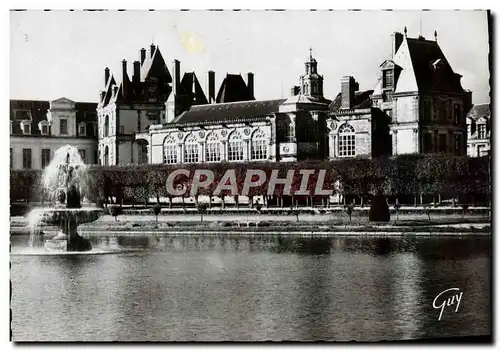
(213, 148)
(25, 124)
(191, 150)
(258, 146)
(170, 149)
(347, 141)
(235, 148)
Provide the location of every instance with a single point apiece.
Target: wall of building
(17, 144)
(362, 124)
(405, 109)
(222, 133)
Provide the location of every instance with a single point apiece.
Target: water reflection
(252, 288)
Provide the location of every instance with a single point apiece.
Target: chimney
(106, 75)
(137, 74)
(250, 85)
(124, 79)
(124, 70)
(348, 88)
(295, 90)
(211, 87)
(143, 55)
(152, 50)
(397, 40)
(177, 76)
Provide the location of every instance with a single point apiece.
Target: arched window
(347, 141)
(259, 146)
(169, 150)
(191, 150)
(106, 126)
(106, 156)
(212, 149)
(235, 147)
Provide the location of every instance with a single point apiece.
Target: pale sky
(61, 53)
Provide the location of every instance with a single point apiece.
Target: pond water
(194, 288)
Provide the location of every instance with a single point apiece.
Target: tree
(348, 209)
(397, 206)
(258, 207)
(202, 209)
(464, 208)
(427, 210)
(157, 211)
(115, 210)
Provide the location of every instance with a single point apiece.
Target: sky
(63, 54)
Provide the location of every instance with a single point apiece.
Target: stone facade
(479, 131)
(247, 131)
(423, 97)
(417, 106)
(39, 128)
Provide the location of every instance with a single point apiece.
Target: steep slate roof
(191, 86)
(155, 61)
(423, 54)
(233, 88)
(361, 100)
(479, 110)
(85, 112)
(153, 64)
(229, 111)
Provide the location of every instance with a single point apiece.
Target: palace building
(39, 128)
(158, 123)
(479, 131)
(417, 105)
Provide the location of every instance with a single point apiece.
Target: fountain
(64, 180)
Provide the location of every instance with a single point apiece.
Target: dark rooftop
(361, 100)
(36, 110)
(479, 110)
(432, 70)
(229, 111)
(233, 88)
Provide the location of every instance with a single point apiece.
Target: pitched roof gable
(191, 86)
(155, 63)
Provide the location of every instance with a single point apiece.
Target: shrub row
(404, 175)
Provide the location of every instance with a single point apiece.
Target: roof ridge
(239, 102)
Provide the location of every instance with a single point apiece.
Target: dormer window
(82, 129)
(438, 64)
(388, 78)
(44, 127)
(26, 127)
(21, 115)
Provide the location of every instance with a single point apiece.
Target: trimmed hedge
(404, 175)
